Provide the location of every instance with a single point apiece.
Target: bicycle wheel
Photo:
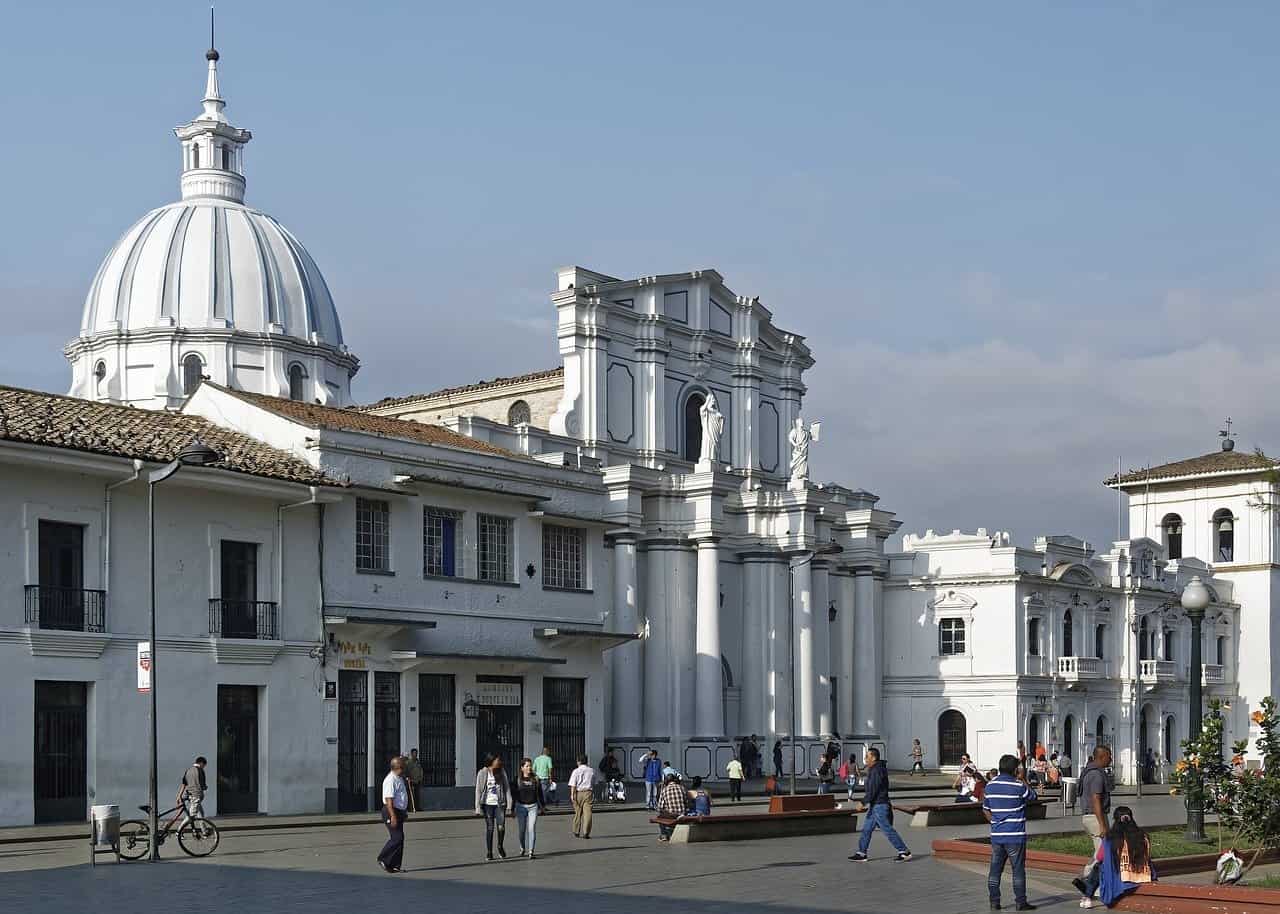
(198, 837)
(135, 839)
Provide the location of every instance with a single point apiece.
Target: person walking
(917, 758)
(777, 759)
(543, 769)
(1095, 801)
(395, 810)
(673, 802)
(755, 769)
(194, 787)
(529, 802)
(581, 785)
(826, 773)
(652, 779)
(493, 801)
(1124, 861)
(849, 774)
(1004, 805)
(734, 770)
(878, 809)
(414, 775)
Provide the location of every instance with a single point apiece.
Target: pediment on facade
(1074, 573)
(954, 603)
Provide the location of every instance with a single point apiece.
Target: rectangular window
(1033, 637)
(373, 535)
(951, 637)
(562, 557)
(60, 601)
(439, 541)
(494, 547)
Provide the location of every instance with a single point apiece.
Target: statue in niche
(712, 429)
(800, 437)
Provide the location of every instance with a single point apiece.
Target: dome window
(195, 155)
(297, 382)
(519, 414)
(99, 378)
(192, 374)
(226, 158)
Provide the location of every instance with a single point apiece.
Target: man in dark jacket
(652, 778)
(877, 809)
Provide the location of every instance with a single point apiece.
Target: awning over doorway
(408, 658)
(581, 637)
(370, 626)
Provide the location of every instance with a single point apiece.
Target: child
(1124, 862)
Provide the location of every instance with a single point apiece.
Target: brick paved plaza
(621, 869)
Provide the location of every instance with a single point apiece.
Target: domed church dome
(209, 287)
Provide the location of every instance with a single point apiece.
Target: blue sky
(1022, 238)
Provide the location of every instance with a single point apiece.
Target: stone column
(866, 689)
(709, 676)
(777, 586)
(658, 669)
(821, 581)
(628, 660)
(806, 677)
(755, 647)
(843, 591)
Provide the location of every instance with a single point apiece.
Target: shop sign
(356, 654)
(498, 694)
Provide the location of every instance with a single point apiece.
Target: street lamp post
(829, 549)
(195, 454)
(1195, 597)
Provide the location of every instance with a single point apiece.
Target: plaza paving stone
(622, 869)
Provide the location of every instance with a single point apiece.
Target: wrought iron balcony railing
(244, 619)
(67, 609)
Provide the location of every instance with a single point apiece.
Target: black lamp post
(1195, 597)
(195, 454)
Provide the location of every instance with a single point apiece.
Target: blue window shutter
(447, 528)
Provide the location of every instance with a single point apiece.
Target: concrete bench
(924, 815)
(695, 829)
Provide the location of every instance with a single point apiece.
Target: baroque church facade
(625, 550)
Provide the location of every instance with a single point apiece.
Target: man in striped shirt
(1005, 806)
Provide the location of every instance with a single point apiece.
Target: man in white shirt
(395, 809)
(581, 783)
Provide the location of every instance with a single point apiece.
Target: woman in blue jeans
(527, 798)
(493, 801)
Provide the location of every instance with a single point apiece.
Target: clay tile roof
(545, 375)
(1217, 462)
(34, 417)
(354, 420)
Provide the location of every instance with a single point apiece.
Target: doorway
(61, 592)
(239, 604)
(952, 741)
(61, 751)
(353, 741)
(386, 722)
(1069, 741)
(237, 749)
(564, 722)
(500, 726)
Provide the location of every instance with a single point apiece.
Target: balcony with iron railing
(66, 609)
(251, 619)
(1154, 672)
(1074, 669)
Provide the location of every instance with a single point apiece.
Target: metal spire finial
(212, 53)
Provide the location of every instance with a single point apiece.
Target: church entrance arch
(952, 737)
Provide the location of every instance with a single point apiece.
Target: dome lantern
(212, 148)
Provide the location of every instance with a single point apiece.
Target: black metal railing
(67, 609)
(244, 619)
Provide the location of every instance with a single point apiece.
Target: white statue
(712, 429)
(800, 436)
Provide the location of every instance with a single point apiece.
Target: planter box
(924, 815)
(1168, 898)
(978, 850)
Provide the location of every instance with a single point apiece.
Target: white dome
(211, 263)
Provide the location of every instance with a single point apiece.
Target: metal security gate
(61, 751)
(951, 738)
(386, 722)
(353, 741)
(437, 726)
(237, 749)
(564, 722)
(500, 727)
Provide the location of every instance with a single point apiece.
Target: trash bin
(106, 826)
(1070, 790)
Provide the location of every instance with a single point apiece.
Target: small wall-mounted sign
(331, 690)
(498, 694)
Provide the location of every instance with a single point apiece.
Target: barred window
(373, 535)
(951, 637)
(562, 557)
(439, 541)
(494, 547)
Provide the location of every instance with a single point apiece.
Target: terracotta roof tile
(546, 374)
(35, 417)
(1217, 462)
(355, 420)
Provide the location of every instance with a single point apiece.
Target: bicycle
(197, 836)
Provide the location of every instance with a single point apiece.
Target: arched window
(1033, 637)
(1222, 650)
(952, 738)
(1224, 536)
(192, 371)
(1170, 740)
(1100, 731)
(1069, 739)
(100, 379)
(1100, 642)
(1172, 527)
(1033, 732)
(1144, 640)
(297, 382)
(519, 414)
(1169, 641)
(1068, 643)
(693, 427)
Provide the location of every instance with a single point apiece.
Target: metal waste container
(1070, 790)
(106, 826)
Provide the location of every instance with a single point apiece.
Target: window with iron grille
(562, 557)
(494, 547)
(439, 541)
(373, 535)
(951, 637)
